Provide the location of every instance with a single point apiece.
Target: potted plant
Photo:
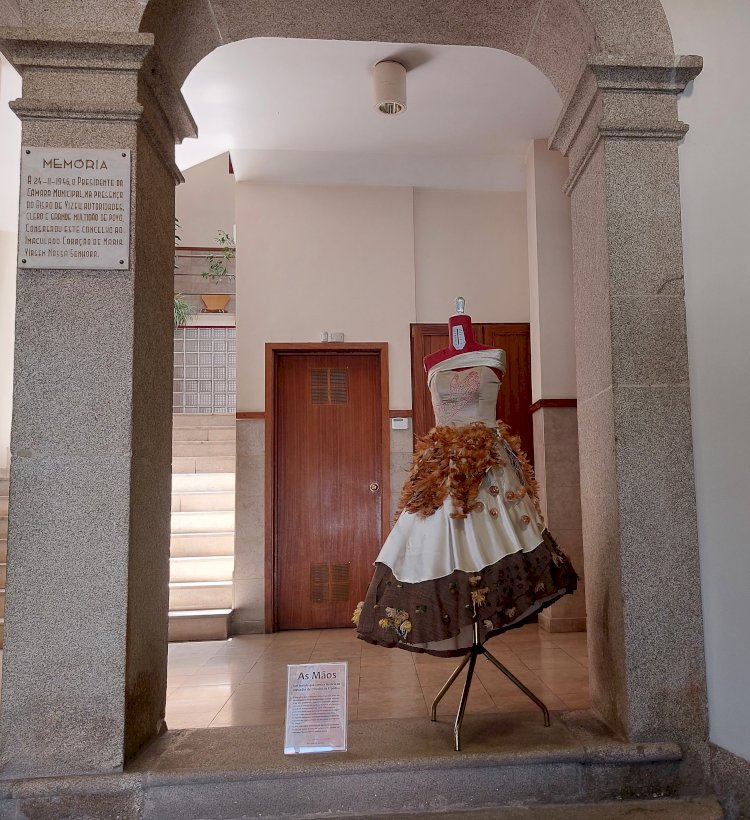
(182, 310)
(218, 271)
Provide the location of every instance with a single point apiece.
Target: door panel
(514, 400)
(328, 527)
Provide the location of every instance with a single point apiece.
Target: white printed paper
(316, 716)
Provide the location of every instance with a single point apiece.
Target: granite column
(84, 672)
(619, 129)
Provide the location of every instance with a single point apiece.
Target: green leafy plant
(177, 237)
(182, 310)
(218, 263)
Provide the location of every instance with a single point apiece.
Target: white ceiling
(301, 111)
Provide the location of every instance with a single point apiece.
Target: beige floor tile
(498, 685)
(386, 677)
(388, 657)
(256, 696)
(194, 707)
(564, 680)
(186, 718)
(479, 701)
(382, 709)
(577, 700)
(217, 675)
(175, 680)
(245, 716)
(200, 696)
(242, 682)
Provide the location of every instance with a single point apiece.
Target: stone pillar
(84, 671)
(553, 370)
(620, 130)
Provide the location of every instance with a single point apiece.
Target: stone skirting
(393, 766)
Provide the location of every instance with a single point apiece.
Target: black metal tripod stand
(477, 648)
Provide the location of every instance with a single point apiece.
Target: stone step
(201, 544)
(509, 762)
(203, 434)
(202, 482)
(2, 632)
(4, 504)
(3, 549)
(3, 526)
(3, 574)
(203, 449)
(200, 568)
(203, 420)
(203, 501)
(222, 521)
(199, 625)
(200, 595)
(663, 809)
(2, 603)
(203, 464)
(4, 486)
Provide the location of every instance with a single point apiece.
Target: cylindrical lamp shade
(390, 87)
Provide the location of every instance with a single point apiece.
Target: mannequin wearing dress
(469, 546)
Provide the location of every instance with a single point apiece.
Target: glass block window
(205, 370)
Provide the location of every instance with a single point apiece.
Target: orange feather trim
(454, 460)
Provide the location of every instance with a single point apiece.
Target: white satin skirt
(422, 548)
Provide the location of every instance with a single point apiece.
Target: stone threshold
(392, 766)
(387, 746)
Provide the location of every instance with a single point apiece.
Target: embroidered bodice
(461, 397)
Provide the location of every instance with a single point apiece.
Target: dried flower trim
(397, 622)
(478, 596)
(357, 613)
(523, 467)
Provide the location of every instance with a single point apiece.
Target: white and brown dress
(470, 541)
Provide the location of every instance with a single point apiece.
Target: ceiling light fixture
(390, 87)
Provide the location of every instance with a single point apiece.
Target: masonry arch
(554, 35)
(620, 130)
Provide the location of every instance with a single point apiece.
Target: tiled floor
(242, 682)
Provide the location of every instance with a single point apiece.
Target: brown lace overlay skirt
(502, 595)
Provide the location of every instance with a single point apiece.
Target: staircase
(202, 541)
(3, 546)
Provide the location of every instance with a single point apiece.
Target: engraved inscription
(79, 218)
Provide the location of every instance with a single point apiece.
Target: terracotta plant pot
(215, 302)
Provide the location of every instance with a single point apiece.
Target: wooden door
(328, 423)
(514, 400)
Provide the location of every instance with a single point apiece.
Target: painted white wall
(322, 258)
(10, 152)
(368, 262)
(553, 362)
(470, 244)
(204, 204)
(715, 186)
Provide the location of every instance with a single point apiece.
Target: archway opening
(341, 207)
(626, 245)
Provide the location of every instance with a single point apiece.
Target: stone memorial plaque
(316, 718)
(74, 209)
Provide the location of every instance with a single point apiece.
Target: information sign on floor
(316, 718)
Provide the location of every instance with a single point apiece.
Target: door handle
(374, 486)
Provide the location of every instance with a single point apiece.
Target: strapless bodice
(464, 396)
